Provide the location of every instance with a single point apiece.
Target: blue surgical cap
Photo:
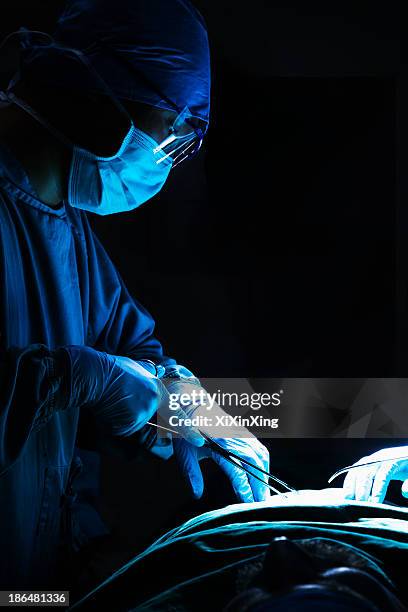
(150, 51)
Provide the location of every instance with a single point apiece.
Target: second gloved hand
(189, 449)
(121, 394)
(370, 482)
(246, 488)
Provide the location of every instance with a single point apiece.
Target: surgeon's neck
(45, 160)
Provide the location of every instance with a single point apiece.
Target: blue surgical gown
(58, 287)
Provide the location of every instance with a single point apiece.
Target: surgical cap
(150, 51)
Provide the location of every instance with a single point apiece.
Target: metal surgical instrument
(237, 460)
(359, 465)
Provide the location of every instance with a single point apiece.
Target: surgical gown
(58, 287)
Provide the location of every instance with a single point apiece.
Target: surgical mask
(108, 185)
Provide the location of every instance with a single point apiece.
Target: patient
(311, 550)
(314, 574)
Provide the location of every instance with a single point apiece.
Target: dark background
(280, 251)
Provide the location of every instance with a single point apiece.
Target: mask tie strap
(26, 43)
(8, 96)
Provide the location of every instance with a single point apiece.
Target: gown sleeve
(122, 325)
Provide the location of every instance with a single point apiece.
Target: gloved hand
(248, 489)
(120, 393)
(370, 483)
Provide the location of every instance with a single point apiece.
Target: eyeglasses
(178, 147)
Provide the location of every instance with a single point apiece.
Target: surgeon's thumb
(404, 488)
(187, 459)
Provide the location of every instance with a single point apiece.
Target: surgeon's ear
(90, 120)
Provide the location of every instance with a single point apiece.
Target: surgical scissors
(237, 460)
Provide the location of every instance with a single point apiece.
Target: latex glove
(370, 483)
(121, 393)
(247, 489)
(190, 451)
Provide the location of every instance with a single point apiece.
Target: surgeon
(94, 119)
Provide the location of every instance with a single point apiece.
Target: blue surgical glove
(189, 448)
(247, 488)
(120, 393)
(370, 483)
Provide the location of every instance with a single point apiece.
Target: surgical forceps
(237, 460)
(359, 465)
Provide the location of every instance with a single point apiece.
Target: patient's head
(314, 574)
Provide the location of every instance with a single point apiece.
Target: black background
(280, 251)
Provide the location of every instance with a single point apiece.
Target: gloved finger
(133, 367)
(350, 481)
(237, 477)
(261, 460)
(260, 491)
(382, 479)
(364, 482)
(160, 371)
(404, 488)
(349, 485)
(188, 461)
(177, 420)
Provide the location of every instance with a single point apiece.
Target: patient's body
(219, 557)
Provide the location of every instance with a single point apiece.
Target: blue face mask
(108, 185)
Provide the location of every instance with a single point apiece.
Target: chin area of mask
(121, 183)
